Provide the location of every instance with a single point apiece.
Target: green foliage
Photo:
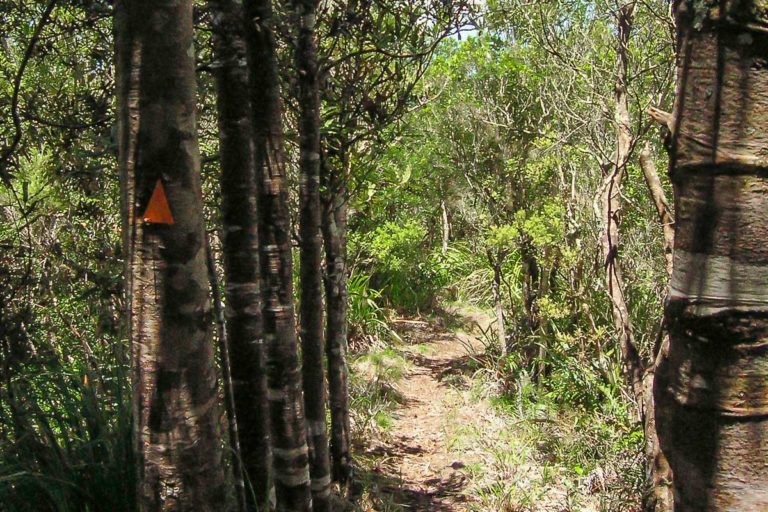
(395, 246)
(367, 318)
(402, 265)
(373, 377)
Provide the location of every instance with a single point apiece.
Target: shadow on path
(416, 469)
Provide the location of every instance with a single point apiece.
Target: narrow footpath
(421, 469)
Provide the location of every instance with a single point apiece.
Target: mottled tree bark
(311, 253)
(240, 243)
(712, 390)
(175, 398)
(289, 436)
(334, 225)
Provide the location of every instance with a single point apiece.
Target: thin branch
(8, 152)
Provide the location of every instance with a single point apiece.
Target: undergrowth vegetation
(569, 442)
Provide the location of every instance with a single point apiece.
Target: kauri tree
(176, 413)
(712, 390)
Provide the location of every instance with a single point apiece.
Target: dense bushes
(408, 272)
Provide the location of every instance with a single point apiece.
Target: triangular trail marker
(158, 211)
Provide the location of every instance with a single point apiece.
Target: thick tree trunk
(175, 396)
(311, 249)
(289, 435)
(240, 244)
(713, 387)
(334, 225)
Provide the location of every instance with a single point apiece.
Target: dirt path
(424, 472)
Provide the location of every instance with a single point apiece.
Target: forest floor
(445, 445)
(417, 466)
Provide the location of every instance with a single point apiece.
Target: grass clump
(536, 452)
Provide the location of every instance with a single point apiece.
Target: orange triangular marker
(158, 211)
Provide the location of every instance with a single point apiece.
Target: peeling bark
(177, 434)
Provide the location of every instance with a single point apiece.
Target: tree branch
(8, 152)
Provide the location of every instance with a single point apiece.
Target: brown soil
(418, 469)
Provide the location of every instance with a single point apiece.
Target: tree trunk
(496, 260)
(240, 245)
(226, 377)
(713, 386)
(177, 435)
(334, 225)
(660, 202)
(446, 228)
(311, 307)
(657, 497)
(289, 435)
(611, 209)
(531, 281)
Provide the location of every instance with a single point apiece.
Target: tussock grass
(533, 454)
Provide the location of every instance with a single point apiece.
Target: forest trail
(419, 467)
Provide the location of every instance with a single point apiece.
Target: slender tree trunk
(496, 260)
(311, 307)
(531, 281)
(611, 209)
(334, 225)
(657, 496)
(531, 292)
(446, 227)
(289, 435)
(240, 244)
(713, 388)
(226, 377)
(127, 67)
(660, 202)
(177, 436)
